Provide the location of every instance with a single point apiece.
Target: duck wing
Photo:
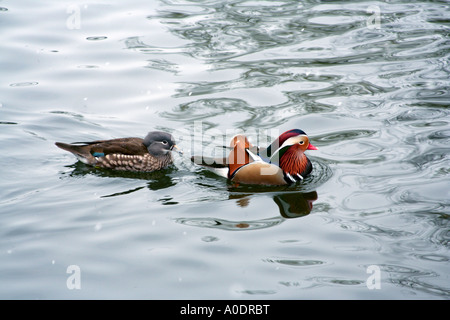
(87, 152)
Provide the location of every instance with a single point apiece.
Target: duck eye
(164, 142)
(302, 142)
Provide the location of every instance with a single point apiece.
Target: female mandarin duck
(284, 161)
(126, 154)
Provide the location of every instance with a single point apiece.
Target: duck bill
(311, 147)
(177, 149)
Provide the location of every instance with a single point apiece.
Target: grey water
(368, 81)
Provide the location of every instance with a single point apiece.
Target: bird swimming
(152, 153)
(282, 163)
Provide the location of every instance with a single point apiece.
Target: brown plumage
(284, 161)
(239, 155)
(126, 154)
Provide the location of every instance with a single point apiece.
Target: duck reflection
(290, 204)
(155, 180)
(223, 224)
(295, 205)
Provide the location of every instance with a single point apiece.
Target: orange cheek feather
(293, 160)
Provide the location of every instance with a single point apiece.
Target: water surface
(368, 81)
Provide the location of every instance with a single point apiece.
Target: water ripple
(206, 109)
(373, 97)
(411, 278)
(228, 225)
(24, 84)
(295, 262)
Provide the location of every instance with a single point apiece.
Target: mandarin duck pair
(284, 161)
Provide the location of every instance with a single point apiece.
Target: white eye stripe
(292, 140)
(288, 142)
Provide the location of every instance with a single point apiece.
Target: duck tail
(82, 152)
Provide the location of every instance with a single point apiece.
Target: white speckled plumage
(126, 154)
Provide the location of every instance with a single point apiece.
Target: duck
(283, 162)
(152, 153)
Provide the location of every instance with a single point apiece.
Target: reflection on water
(373, 97)
(290, 204)
(231, 225)
(156, 180)
(294, 205)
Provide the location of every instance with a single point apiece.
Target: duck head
(160, 143)
(287, 151)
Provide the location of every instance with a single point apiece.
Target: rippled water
(368, 81)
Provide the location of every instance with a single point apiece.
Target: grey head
(159, 143)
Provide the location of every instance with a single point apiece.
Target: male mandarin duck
(284, 161)
(126, 154)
